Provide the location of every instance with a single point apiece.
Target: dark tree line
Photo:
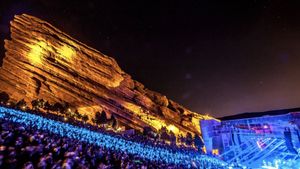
(4, 97)
(101, 119)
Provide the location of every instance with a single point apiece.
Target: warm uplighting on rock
(89, 111)
(173, 128)
(151, 120)
(37, 52)
(66, 52)
(41, 49)
(62, 69)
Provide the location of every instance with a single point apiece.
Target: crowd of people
(31, 141)
(64, 112)
(30, 148)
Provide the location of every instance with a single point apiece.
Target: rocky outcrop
(42, 62)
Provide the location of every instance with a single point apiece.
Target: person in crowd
(30, 148)
(49, 141)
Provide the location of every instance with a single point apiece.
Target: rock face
(42, 62)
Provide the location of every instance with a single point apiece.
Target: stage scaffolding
(255, 142)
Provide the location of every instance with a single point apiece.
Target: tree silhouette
(37, 104)
(115, 124)
(48, 106)
(65, 108)
(77, 114)
(100, 118)
(4, 97)
(189, 139)
(164, 134)
(21, 105)
(172, 138)
(85, 118)
(198, 142)
(58, 107)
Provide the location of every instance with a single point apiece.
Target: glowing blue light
(111, 142)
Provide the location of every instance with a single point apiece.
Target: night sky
(213, 57)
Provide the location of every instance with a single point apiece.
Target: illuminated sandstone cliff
(42, 62)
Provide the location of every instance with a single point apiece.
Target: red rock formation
(42, 62)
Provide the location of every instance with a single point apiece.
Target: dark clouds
(215, 57)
